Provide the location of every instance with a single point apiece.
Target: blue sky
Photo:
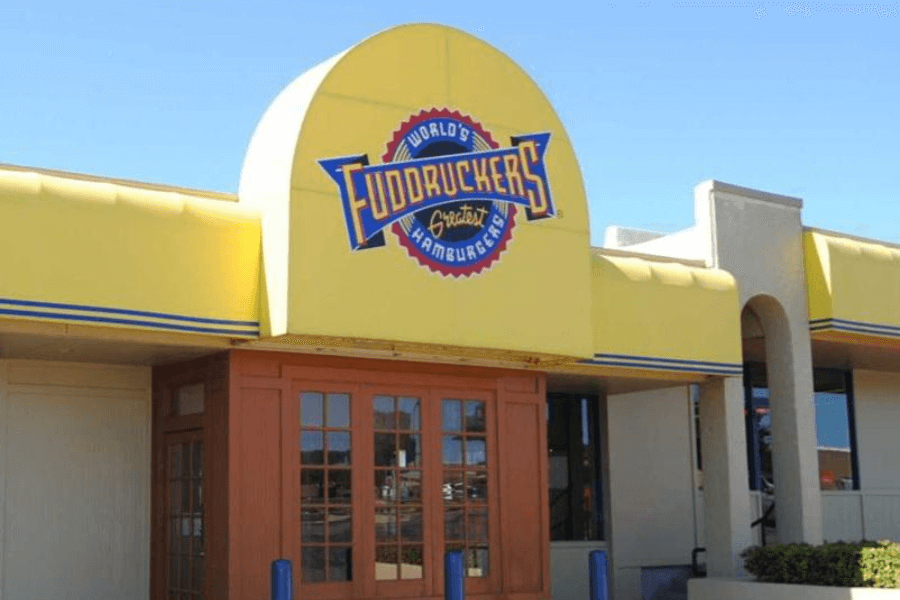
(795, 98)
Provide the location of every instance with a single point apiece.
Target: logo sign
(447, 190)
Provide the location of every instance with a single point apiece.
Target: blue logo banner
(376, 196)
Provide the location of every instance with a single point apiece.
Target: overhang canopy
(120, 254)
(854, 288)
(664, 316)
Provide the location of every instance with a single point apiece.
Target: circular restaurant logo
(446, 189)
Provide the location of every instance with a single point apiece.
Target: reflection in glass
(339, 486)
(452, 415)
(411, 524)
(476, 451)
(455, 524)
(385, 486)
(339, 525)
(475, 416)
(452, 450)
(339, 563)
(312, 447)
(411, 561)
(312, 486)
(385, 525)
(408, 414)
(476, 485)
(410, 486)
(384, 413)
(338, 448)
(453, 489)
(313, 564)
(477, 564)
(409, 450)
(338, 410)
(386, 562)
(477, 525)
(311, 410)
(313, 526)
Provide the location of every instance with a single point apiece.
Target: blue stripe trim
(674, 361)
(139, 323)
(129, 312)
(668, 364)
(854, 327)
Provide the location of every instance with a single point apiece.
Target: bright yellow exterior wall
(658, 315)
(537, 299)
(853, 285)
(100, 253)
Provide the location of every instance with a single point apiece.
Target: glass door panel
(185, 537)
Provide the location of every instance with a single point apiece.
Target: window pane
(313, 526)
(312, 486)
(476, 451)
(411, 561)
(339, 525)
(454, 487)
(385, 486)
(454, 524)
(385, 525)
(385, 449)
(409, 453)
(339, 486)
(452, 450)
(411, 486)
(477, 525)
(338, 448)
(475, 416)
(833, 441)
(313, 567)
(386, 563)
(312, 447)
(411, 524)
(384, 412)
(338, 410)
(476, 485)
(452, 419)
(339, 563)
(408, 414)
(311, 409)
(477, 564)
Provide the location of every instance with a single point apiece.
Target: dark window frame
(576, 523)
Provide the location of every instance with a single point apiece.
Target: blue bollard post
(599, 568)
(282, 581)
(454, 576)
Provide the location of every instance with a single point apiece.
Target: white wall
(650, 483)
(877, 399)
(75, 467)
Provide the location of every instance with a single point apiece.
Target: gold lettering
(513, 177)
(496, 175)
(356, 203)
(395, 190)
(466, 216)
(528, 155)
(430, 175)
(461, 166)
(413, 185)
(482, 183)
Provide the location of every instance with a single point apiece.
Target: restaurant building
(396, 340)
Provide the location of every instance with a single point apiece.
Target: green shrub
(841, 564)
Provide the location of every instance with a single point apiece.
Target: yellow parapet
(83, 250)
(854, 288)
(664, 316)
(521, 283)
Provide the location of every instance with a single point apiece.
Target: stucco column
(795, 463)
(725, 494)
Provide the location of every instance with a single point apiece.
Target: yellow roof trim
(853, 286)
(127, 183)
(665, 316)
